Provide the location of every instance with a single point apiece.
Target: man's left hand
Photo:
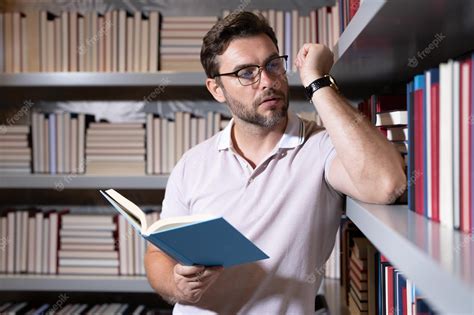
(313, 62)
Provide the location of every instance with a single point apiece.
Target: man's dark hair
(235, 25)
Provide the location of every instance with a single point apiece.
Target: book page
(129, 208)
(169, 223)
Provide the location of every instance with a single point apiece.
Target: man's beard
(252, 116)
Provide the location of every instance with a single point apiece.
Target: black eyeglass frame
(260, 69)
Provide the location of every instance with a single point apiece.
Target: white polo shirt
(285, 206)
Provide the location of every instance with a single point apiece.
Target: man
(278, 179)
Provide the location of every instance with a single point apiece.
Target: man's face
(264, 103)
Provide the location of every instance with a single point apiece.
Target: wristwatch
(326, 80)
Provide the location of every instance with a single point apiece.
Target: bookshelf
(72, 181)
(72, 283)
(98, 79)
(438, 259)
(374, 51)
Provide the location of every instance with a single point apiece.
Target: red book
(434, 144)
(389, 286)
(419, 144)
(354, 6)
(404, 300)
(465, 143)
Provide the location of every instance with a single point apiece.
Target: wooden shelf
(74, 283)
(384, 36)
(438, 259)
(71, 181)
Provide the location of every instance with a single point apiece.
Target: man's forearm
(159, 270)
(371, 161)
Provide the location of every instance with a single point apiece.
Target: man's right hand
(192, 281)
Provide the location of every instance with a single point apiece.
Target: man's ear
(216, 90)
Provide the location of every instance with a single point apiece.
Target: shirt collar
(293, 136)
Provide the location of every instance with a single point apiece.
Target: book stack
(181, 41)
(115, 149)
(87, 245)
(440, 110)
(392, 119)
(15, 153)
(58, 142)
(358, 277)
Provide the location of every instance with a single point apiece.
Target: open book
(190, 240)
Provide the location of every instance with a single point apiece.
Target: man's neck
(254, 143)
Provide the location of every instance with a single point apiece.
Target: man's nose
(267, 80)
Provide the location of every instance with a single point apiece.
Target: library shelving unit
(373, 53)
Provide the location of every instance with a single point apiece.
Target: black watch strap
(316, 85)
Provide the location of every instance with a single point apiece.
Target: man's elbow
(394, 186)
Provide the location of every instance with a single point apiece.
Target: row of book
(441, 143)
(74, 143)
(64, 242)
(61, 307)
(122, 41)
(371, 285)
(15, 153)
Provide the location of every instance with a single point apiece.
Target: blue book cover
(190, 240)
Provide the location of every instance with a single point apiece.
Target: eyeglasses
(251, 74)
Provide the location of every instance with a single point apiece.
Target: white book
(136, 253)
(164, 146)
(89, 219)
(209, 125)
(89, 227)
(187, 132)
(392, 118)
(86, 240)
(39, 242)
(3, 242)
(145, 41)
(149, 144)
(154, 34)
(122, 245)
(18, 241)
(91, 254)
(201, 129)
(130, 249)
(46, 149)
(73, 146)
(35, 139)
(179, 134)
(2, 45)
(31, 258)
(88, 271)
(96, 247)
(157, 139)
(137, 23)
(66, 142)
(79, 233)
(88, 262)
(53, 242)
(46, 246)
(428, 144)
(60, 142)
(130, 41)
(171, 145)
(456, 146)
(122, 35)
(42, 139)
(446, 198)
(194, 131)
(81, 131)
(65, 41)
(11, 242)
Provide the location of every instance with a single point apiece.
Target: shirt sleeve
(328, 152)
(174, 202)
